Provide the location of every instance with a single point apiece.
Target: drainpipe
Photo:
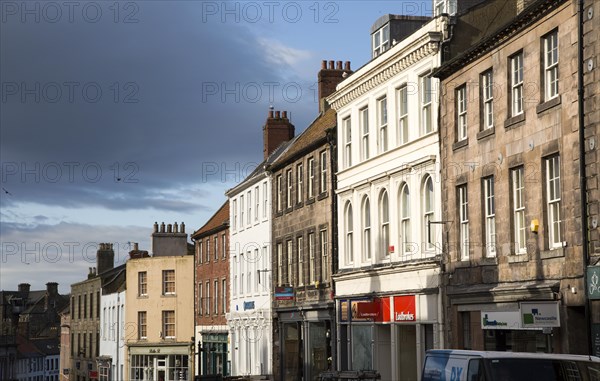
(582, 173)
(118, 333)
(331, 140)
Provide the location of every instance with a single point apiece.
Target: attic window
(445, 6)
(381, 40)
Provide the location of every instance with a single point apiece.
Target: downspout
(582, 172)
(331, 140)
(118, 333)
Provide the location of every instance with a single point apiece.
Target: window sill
(485, 133)
(169, 295)
(556, 252)
(322, 196)
(460, 144)
(548, 104)
(489, 261)
(145, 296)
(310, 201)
(279, 213)
(518, 258)
(298, 205)
(510, 122)
(288, 210)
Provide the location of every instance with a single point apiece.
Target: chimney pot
(135, 246)
(324, 65)
(169, 228)
(175, 228)
(183, 227)
(347, 65)
(162, 227)
(338, 65)
(284, 114)
(277, 115)
(331, 65)
(155, 227)
(270, 114)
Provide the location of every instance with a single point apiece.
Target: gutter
(582, 172)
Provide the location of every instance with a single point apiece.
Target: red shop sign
(404, 308)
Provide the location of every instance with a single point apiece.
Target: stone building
(250, 318)
(303, 242)
(159, 316)
(211, 285)
(85, 315)
(65, 343)
(510, 147)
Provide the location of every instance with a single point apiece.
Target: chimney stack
(24, 288)
(51, 295)
(105, 258)
(171, 242)
(137, 253)
(329, 77)
(277, 130)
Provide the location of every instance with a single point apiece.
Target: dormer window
(445, 6)
(381, 40)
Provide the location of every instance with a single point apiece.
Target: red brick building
(212, 293)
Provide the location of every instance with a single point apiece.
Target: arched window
(349, 233)
(366, 224)
(384, 224)
(428, 205)
(404, 214)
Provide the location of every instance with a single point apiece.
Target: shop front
(306, 338)
(213, 354)
(160, 363)
(528, 328)
(378, 331)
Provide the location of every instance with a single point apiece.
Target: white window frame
(249, 201)
(516, 83)
(300, 251)
(324, 240)
(201, 250)
(224, 294)
(551, 65)
(463, 218)
(216, 296)
(490, 216)
(224, 245)
(402, 133)
(384, 224)
(382, 121)
(166, 324)
(299, 183)
(487, 99)
(242, 210)
(349, 243)
(143, 324)
(265, 201)
(216, 240)
(278, 195)
(289, 185)
(324, 166)
(518, 195)
(381, 40)
(142, 283)
(366, 226)
(426, 107)
(200, 299)
(279, 264)
(428, 204)
(166, 282)
(461, 112)
(311, 177)
(311, 256)
(347, 123)
(235, 215)
(553, 197)
(207, 299)
(404, 214)
(364, 130)
(257, 203)
(290, 262)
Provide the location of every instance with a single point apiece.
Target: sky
(114, 115)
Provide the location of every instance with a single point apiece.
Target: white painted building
(250, 314)
(112, 333)
(388, 186)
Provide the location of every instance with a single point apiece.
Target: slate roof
(218, 220)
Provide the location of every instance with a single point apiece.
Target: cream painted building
(159, 319)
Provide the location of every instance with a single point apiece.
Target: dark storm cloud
(87, 108)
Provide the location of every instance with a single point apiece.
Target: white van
(462, 365)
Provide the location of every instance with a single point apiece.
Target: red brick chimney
(276, 131)
(329, 77)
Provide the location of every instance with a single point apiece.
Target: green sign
(593, 282)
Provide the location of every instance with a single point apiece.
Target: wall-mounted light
(535, 225)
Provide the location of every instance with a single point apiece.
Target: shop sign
(540, 314)
(284, 293)
(405, 308)
(344, 310)
(368, 310)
(93, 374)
(354, 310)
(593, 282)
(596, 339)
(500, 320)
(248, 305)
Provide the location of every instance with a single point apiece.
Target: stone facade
(510, 183)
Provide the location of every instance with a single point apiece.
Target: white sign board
(500, 320)
(540, 314)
